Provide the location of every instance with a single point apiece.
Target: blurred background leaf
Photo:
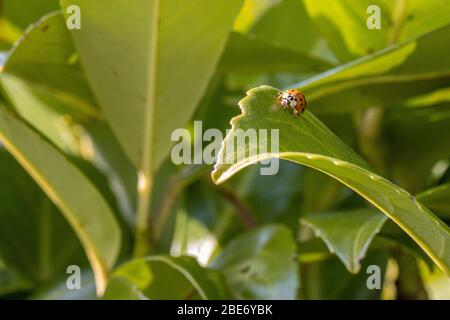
(162, 277)
(348, 234)
(260, 264)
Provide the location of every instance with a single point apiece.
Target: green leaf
(195, 223)
(305, 140)
(420, 17)
(41, 110)
(270, 204)
(32, 109)
(260, 264)
(330, 280)
(22, 13)
(344, 23)
(16, 15)
(110, 158)
(79, 201)
(164, 277)
(32, 230)
(347, 233)
(251, 11)
(149, 70)
(398, 72)
(12, 282)
(405, 141)
(437, 199)
(139, 60)
(46, 56)
(288, 24)
(248, 53)
(321, 192)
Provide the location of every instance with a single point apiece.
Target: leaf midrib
(146, 165)
(150, 107)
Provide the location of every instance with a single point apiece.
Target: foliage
(87, 179)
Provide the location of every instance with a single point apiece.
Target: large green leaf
(260, 265)
(32, 230)
(164, 277)
(387, 76)
(347, 233)
(46, 56)
(83, 206)
(307, 141)
(149, 70)
(150, 67)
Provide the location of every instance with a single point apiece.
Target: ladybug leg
(296, 112)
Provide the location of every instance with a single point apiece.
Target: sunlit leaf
(305, 140)
(129, 60)
(70, 191)
(46, 57)
(385, 77)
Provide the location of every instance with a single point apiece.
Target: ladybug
(293, 99)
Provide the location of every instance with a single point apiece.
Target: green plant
(87, 178)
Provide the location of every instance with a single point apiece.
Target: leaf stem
(145, 175)
(142, 237)
(398, 16)
(245, 215)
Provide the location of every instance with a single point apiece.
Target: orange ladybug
(294, 99)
